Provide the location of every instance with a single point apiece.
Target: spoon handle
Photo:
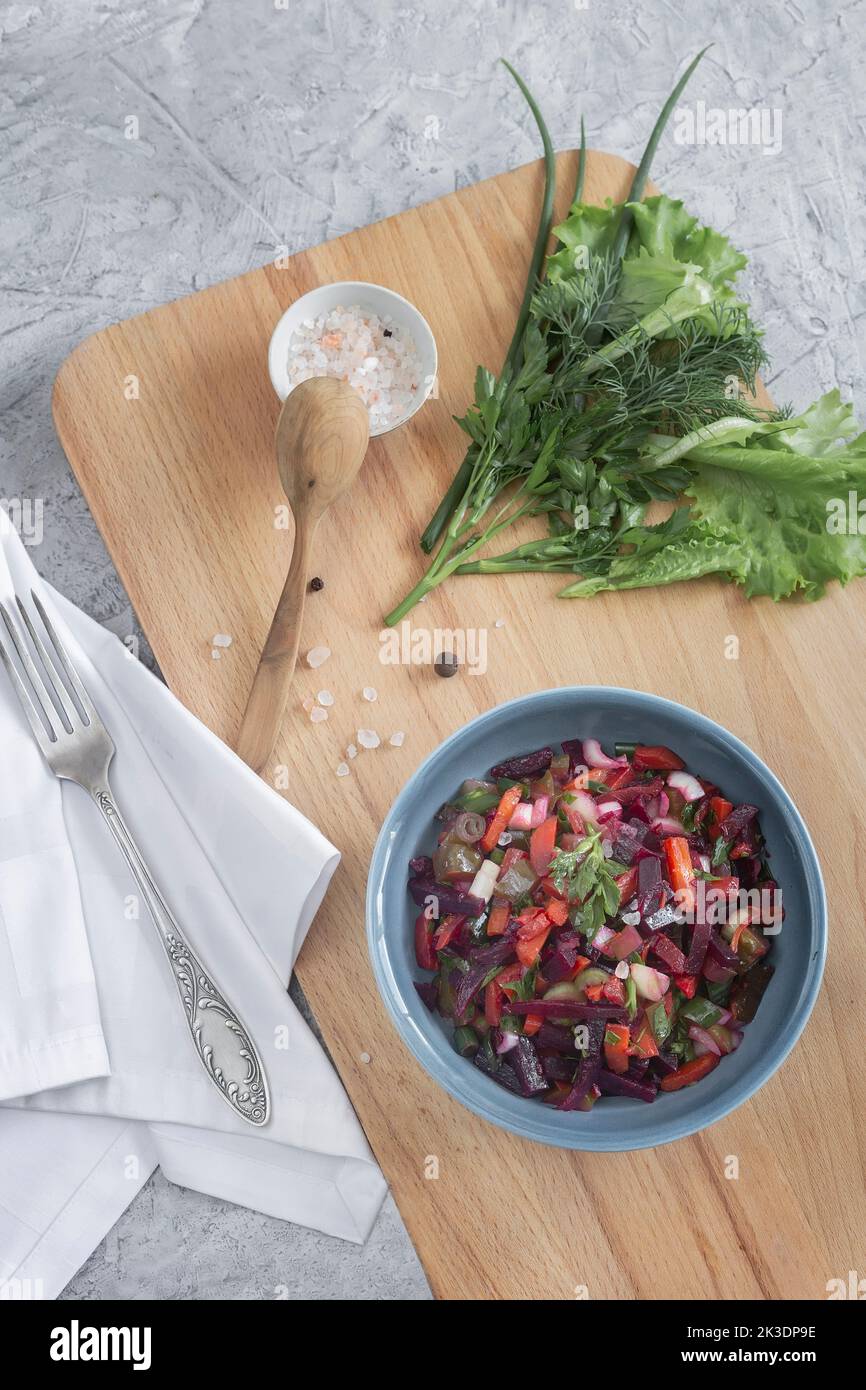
(270, 690)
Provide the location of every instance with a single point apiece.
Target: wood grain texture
(320, 443)
(182, 484)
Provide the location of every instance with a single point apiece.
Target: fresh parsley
(584, 875)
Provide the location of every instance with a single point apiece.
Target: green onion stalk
(460, 482)
(481, 478)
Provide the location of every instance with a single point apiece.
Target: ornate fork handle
(224, 1046)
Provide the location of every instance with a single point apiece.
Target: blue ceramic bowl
(609, 714)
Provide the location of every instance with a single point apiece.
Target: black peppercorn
(446, 664)
(317, 584)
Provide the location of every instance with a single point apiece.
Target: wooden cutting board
(168, 421)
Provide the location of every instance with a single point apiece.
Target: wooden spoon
(321, 440)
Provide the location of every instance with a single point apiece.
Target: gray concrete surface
(150, 149)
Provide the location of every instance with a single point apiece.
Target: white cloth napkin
(99, 1079)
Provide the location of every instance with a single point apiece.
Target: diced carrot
(531, 1024)
(616, 1036)
(550, 888)
(448, 927)
(602, 775)
(643, 1043)
(532, 920)
(720, 808)
(656, 758)
(680, 868)
(424, 952)
(738, 932)
(575, 821)
(504, 811)
(687, 983)
(627, 884)
(559, 1090)
(594, 992)
(620, 779)
(494, 995)
(511, 856)
(542, 843)
(690, 1072)
(529, 949)
(614, 991)
(557, 911)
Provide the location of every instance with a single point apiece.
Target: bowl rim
(663, 1131)
(277, 368)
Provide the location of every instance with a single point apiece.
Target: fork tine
(53, 683)
(91, 717)
(44, 737)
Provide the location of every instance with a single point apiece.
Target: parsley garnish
(584, 874)
(720, 851)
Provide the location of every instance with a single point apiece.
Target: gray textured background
(273, 123)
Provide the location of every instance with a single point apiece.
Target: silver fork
(78, 747)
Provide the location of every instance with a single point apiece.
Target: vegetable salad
(595, 925)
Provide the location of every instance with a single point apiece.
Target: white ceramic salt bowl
(374, 299)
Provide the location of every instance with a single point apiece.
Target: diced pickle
(453, 859)
(748, 992)
(516, 881)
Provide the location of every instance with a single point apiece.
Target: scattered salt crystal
(351, 751)
(325, 697)
(221, 639)
(631, 919)
(373, 354)
(317, 656)
(622, 970)
(500, 622)
(216, 653)
(318, 715)
(369, 693)
(504, 839)
(607, 849)
(342, 769)
(308, 703)
(364, 1057)
(368, 738)
(396, 740)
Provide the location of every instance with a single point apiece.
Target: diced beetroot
(428, 991)
(668, 953)
(734, 824)
(715, 973)
(524, 767)
(612, 1085)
